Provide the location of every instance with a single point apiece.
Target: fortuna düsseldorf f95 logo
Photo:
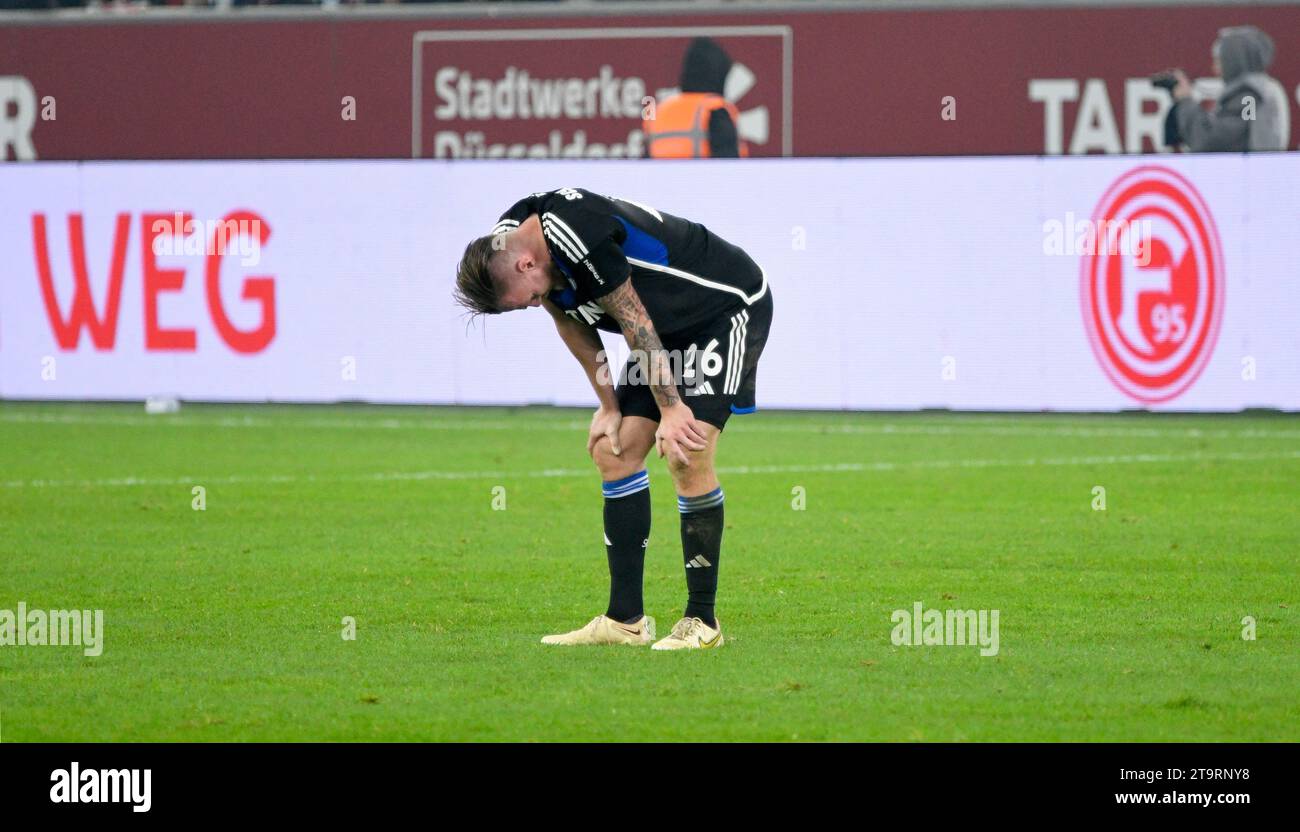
(1153, 314)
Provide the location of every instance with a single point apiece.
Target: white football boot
(691, 634)
(604, 630)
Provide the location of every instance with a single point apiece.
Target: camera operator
(1251, 113)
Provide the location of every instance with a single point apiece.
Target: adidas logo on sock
(699, 562)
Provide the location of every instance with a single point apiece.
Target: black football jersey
(684, 274)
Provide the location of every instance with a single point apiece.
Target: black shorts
(716, 365)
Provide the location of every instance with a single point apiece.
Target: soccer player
(695, 311)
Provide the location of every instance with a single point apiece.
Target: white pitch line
(293, 423)
(505, 476)
(890, 429)
(967, 426)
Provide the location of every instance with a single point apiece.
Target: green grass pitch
(226, 624)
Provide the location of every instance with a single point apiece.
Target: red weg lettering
(83, 313)
(103, 331)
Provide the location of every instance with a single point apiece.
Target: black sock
(627, 530)
(701, 546)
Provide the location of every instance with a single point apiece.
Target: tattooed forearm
(624, 306)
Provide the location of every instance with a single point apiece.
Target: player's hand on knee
(605, 423)
(678, 433)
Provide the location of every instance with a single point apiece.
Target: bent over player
(695, 311)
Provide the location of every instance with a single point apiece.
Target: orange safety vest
(680, 129)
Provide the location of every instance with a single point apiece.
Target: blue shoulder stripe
(643, 245)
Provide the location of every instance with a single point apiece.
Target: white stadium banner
(1098, 283)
